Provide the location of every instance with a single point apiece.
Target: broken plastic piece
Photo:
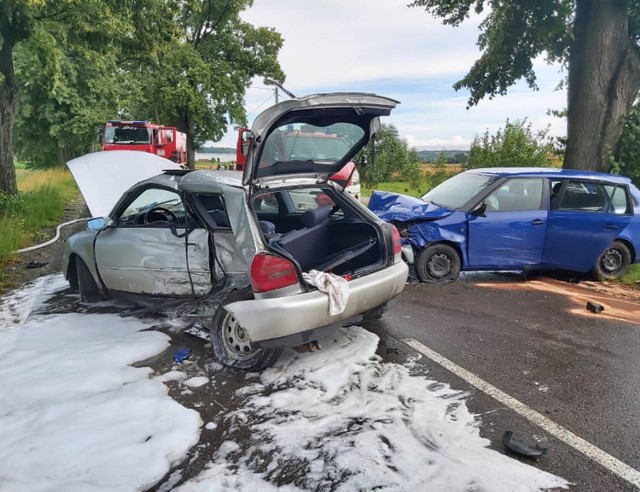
(36, 264)
(522, 448)
(594, 307)
(180, 355)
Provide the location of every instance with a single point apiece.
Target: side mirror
(479, 210)
(99, 223)
(247, 137)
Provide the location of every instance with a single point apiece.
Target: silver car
(234, 246)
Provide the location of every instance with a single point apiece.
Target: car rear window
(457, 191)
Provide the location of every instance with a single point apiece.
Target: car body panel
(265, 319)
(511, 239)
(494, 240)
(151, 260)
(104, 176)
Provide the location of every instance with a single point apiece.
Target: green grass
(41, 202)
(632, 276)
(402, 187)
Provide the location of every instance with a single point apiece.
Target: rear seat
(311, 243)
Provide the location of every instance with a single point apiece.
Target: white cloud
(383, 46)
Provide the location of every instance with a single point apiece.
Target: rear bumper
(265, 319)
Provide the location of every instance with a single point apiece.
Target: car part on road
(594, 307)
(230, 342)
(521, 447)
(614, 262)
(181, 355)
(438, 263)
(36, 264)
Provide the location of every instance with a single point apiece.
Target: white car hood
(104, 176)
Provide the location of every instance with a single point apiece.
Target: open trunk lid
(313, 136)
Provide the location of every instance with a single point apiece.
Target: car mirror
(479, 210)
(99, 223)
(247, 137)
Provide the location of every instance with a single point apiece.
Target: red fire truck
(164, 141)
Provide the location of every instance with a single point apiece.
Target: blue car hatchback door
(518, 219)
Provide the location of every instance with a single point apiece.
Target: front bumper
(264, 319)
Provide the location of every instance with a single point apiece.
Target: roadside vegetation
(40, 204)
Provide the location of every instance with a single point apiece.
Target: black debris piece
(520, 447)
(35, 264)
(594, 307)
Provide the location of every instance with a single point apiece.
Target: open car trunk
(320, 230)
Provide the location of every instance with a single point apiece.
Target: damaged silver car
(240, 245)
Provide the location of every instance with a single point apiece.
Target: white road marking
(592, 452)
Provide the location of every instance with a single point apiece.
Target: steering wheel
(162, 215)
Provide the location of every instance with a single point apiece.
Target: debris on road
(181, 355)
(594, 307)
(521, 447)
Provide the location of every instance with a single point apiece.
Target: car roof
(549, 172)
(195, 180)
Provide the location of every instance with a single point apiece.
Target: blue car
(518, 219)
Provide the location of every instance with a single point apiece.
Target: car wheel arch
(436, 262)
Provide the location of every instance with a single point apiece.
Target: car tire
(613, 263)
(438, 263)
(87, 286)
(229, 343)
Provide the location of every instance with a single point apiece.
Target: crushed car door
(512, 230)
(583, 222)
(144, 252)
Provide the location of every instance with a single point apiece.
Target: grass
(41, 202)
(632, 277)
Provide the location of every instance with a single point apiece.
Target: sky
(385, 47)
(78, 413)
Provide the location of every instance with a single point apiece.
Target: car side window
(515, 195)
(156, 206)
(619, 199)
(266, 204)
(588, 197)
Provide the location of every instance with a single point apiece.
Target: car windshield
(305, 142)
(127, 135)
(457, 191)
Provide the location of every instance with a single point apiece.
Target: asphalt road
(574, 372)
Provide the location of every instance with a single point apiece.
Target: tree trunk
(8, 105)
(604, 79)
(187, 126)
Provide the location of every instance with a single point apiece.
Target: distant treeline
(452, 156)
(217, 150)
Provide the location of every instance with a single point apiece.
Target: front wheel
(438, 263)
(614, 262)
(230, 342)
(87, 287)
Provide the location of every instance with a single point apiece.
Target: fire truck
(164, 141)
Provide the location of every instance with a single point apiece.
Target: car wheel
(230, 342)
(87, 286)
(614, 262)
(438, 263)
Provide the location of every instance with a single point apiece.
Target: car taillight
(397, 246)
(355, 178)
(269, 272)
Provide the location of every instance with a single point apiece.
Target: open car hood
(314, 135)
(401, 208)
(104, 176)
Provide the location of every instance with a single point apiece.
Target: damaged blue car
(518, 219)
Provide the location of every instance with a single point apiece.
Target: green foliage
(440, 173)
(512, 35)
(388, 156)
(517, 145)
(626, 160)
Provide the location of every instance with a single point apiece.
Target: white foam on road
(342, 418)
(74, 413)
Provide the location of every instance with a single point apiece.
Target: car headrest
(267, 227)
(316, 216)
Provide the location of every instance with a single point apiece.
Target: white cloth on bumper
(335, 286)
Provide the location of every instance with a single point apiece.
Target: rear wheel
(87, 286)
(614, 262)
(438, 263)
(231, 345)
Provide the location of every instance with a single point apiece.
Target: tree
(627, 159)
(596, 39)
(516, 145)
(63, 35)
(199, 81)
(386, 155)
